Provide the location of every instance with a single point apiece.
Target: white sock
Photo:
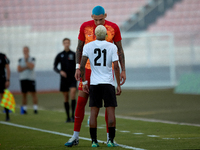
(107, 136)
(35, 107)
(25, 107)
(76, 134)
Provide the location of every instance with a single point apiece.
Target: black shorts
(27, 86)
(101, 92)
(67, 83)
(2, 85)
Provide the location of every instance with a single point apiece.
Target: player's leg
(80, 111)
(73, 101)
(64, 88)
(66, 105)
(106, 119)
(24, 89)
(111, 125)
(24, 102)
(2, 88)
(32, 89)
(110, 103)
(93, 125)
(35, 102)
(95, 104)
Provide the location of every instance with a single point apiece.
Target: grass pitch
(152, 104)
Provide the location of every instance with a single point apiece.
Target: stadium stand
(61, 15)
(183, 17)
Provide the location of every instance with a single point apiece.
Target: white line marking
(63, 134)
(133, 118)
(100, 127)
(152, 135)
(138, 133)
(150, 120)
(124, 131)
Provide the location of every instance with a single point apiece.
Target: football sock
(35, 107)
(66, 104)
(25, 107)
(106, 119)
(111, 133)
(107, 136)
(7, 113)
(79, 113)
(76, 134)
(73, 107)
(93, 134)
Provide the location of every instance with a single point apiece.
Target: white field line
(132, 118)
(152, 120)
(63, 134)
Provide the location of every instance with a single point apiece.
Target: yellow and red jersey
(87, 33)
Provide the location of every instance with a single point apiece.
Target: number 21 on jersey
(98, 52)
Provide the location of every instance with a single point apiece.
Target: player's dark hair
(66, 39)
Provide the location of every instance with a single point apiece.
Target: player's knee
(82, 102)
(111, 122)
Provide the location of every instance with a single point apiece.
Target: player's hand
(62, 73)
(119, 91)
(86, 89)
(77, 74)
(122, 77)
(7, 84)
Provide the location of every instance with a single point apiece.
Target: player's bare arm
(7, 84)
(62, 73)
(20, 69)
(79, 51)
(82, 69)
(30, 65)
(122, 61)
(117, 75)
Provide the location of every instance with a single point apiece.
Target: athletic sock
(66, 104)
(73, 107)
(111, 133)
(35, 107)
(7, 113)
(25, 107)
(79, 113)
(93, 134)
(76, 134)
(107, 137)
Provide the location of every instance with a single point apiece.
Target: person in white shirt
(102, 55)
(27, 79)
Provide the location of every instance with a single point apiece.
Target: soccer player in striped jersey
(86, 35)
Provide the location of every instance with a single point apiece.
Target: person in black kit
(68, 82)
(4, 79)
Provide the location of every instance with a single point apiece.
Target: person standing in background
(68, 82)
(27, 79)
(4, 78)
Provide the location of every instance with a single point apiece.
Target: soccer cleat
(72, 119)
(7, 119)
(25, 112)
(72, 141)
(94, 144)
(110, 144)
(35, 112)
(115, 143)
(68, 120)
